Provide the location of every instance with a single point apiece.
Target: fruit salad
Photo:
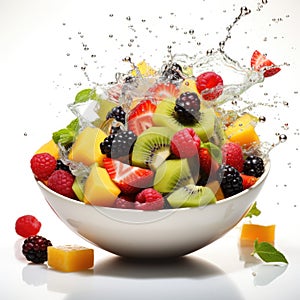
(158, 139)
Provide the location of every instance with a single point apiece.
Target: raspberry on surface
(123, 202)
(61, 182)
(232, 154)
(42, 165)
(149, 199)
(185, 143)
(34, 249)
(27, 225)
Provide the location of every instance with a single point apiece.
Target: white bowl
(153, 234)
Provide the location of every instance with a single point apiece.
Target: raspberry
(42, 165)
(230, 180)
(185, 143)
(27, 225)
(61, 182)
(35, 249)
(232, 154)
(123, 202)
(209, 80)
(149, 199)
(254, 166)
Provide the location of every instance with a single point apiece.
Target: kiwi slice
(191, 195)
(164, 116)
(152, 147)
(172, 174)
(218, 137)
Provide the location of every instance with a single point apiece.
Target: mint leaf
(268, 252)
(85, 95)
(254, 211)
(66, 136)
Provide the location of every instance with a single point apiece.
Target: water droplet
(110, 36)
(282, 138)
(68, 54)
(128, 18)
(191, 31)
(25, 133)
(262, 119)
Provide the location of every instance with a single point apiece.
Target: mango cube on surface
(251, 232)
(70, 258)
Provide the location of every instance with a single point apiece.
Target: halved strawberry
(207, 163)
(248, 180)
(260, 62)
(129, 179)
(162, 91)
(140, 117)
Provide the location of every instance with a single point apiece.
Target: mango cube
(70, 258)
(251, 232)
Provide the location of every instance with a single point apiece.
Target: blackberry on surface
(117, 113)
(61, 166)
(187, 108)
(172, 72)
(254, 166)
(35, 249)
(230, 180)
(119, 144)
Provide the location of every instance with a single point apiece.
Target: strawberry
(232, 154)
(149, 199)
(261, 62)
(61, 181)
(140, 117)
(42, 165)
(207, 163)
(162, 91)
(209, 80)
(248, 180)
(129, 179)
(185, 143)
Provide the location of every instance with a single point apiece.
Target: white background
(41, 41)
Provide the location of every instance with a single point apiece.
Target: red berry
(248, 180)
(27, 225)
(61, 182)
(149, 199)
(123, 202)
(207, 163)
(42, 165)
(232, 154)
(207, 81)
(185, 143)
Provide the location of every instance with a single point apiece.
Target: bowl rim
(220, 202)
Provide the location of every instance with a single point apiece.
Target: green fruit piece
(105, 106)
(172, 174)
(218, 137)
(152, 147)
(78, 187)
(214, 151)
(164, 116)
(191, 196)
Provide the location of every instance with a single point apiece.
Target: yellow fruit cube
(251, 232)
(51, 148)
(70, 258)
(86, 148)
(242, 131)
(145, 69)
(99, 189)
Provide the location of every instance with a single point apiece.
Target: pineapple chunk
(86, 148)
(70, 258)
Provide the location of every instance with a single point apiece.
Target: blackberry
(230, 180)
(119, 144)
(61, 166)
(117, 113)
(35, 249)
(172, 72)
(187, 108)
(254, 166)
